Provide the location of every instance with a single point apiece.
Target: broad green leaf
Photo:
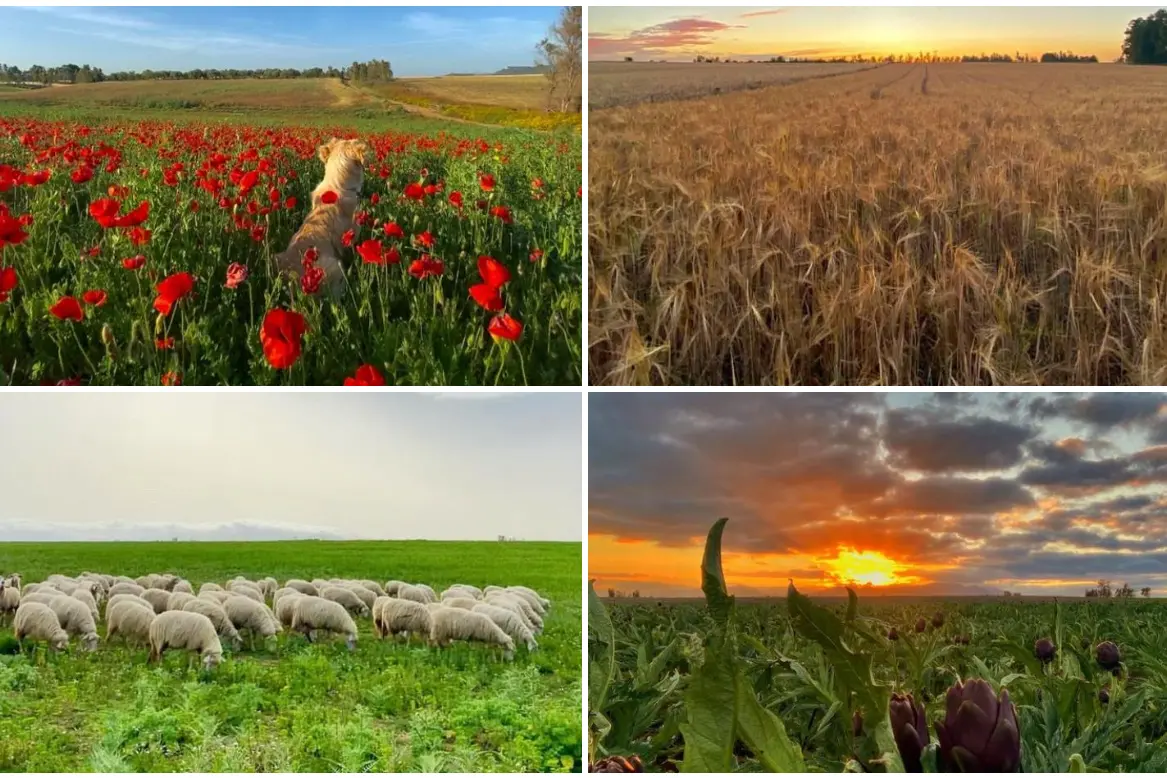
(651, 675)
(601, 651)
(710, 704)
(1076, 765)
(712, 579)
(764, 733)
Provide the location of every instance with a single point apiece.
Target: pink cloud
(753, 14)
(659, 38)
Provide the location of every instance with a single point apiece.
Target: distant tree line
(1104, 591)
(921, 58)
(1066, 56)
(373, 70)
(1146, 40)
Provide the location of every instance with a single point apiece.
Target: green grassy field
(296, 707)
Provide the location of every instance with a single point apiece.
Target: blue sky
(418, 41)
(200, 466)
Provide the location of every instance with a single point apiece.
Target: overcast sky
(937, 493)
(221, 466)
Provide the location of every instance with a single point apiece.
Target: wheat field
(909, 224)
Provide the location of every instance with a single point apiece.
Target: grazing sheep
(316, 613)
(393, 616)
(520, 606)
(465, 603)
(351, 602)
(372, 586)
(37, 621)
(178, 599)
(367, 596)
(15, 579)
(43, 596)
(285, 605)
(415, 593)
(220, 596)
(391, 587)
(538, 603)
(33, 588)
(137, 601)
(9, 597)
(129, 620)
(218, 617)
(84, 596)
(182, 586)
(147, 581)
(462, 590)
(456, 624)
(268, 586)
(509, 622)
(186, 630)
(74, 618)
(158, 598)
(429, 591)
(126, 588)
(320, 583)
(303, 587)
(251, 616)
(245, 590)
(210, 586)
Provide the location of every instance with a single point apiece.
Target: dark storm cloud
(998, 481)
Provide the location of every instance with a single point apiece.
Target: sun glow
(870, 568)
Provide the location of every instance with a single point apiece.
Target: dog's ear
(360, 151)
(325, 150)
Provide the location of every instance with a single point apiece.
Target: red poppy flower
(487, 296)
(95, 297)
(426, 266)
(537, 183)
(503, 213)
(236, 275)
(164, 344)
(36, 179)
(413, 191)
(11, 232)
(366, 375)
(172, 379)
(505, 327)
(140, 236)
(375, 198)
(249, 180)
(425, 239)
(310, 280)
(282, 335)
(7, 282)
(82, 174)
(67, 309)
(258, 233)
(392, 256)
(486, 181)
(310, 257)
(393, 230)
(493, 272)
(536, 255)
(371, 252)
(194, 206)
(172, 289)
(91, 252)
(347, 238)
(118, 191)
(456, 199)
(273, 196)
(105, 211)
(329, 197)
(134, 263)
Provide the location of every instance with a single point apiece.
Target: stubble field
(291, 706)
(909, 224)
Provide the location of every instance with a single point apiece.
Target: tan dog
(326, 224)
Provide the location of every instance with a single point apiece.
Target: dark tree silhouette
(1146, 40)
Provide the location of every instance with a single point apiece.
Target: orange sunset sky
(742, 33)
(896, 493)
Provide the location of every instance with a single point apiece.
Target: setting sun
(864, 567)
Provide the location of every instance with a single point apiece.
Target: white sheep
(210, 586)
(393, 616)
(44, 595)
(509, 622)
(158, 598)
(128, 620)
(218, 617)
(366, 595)
(178, 599)
(456, 624)
(268, 586)
(247, 589)
(219, 597)
(132, 598)
(9, 597)
(391, 587)
(415, 593)
(533, 598)
(251, 616)
(465, 603)
(316, 613)
(126, 588)
(285, 605)
(372, 586)
(186, 630)
(182, 586)
(351, 602)
(303, 587)
(520, 606)
(84, 596)
(74, 618)
(37, 621)
(461, 590)
(429, 591)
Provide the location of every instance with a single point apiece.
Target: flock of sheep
(164, 611)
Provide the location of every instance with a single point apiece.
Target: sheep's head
(351, 642)
(212, 659)
(89, 642)
(237, 641)
(532, 645)
(60, 640)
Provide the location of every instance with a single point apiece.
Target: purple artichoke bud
(910, 728)
(1108, 655)
(979, 733)
(1103, 696)
(892, 634)
(1044, 650)
(921, 625)
(938, 620)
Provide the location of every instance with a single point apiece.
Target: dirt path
(354, 95)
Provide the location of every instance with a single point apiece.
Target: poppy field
(930, 685)
(287, 705)
(138, 252)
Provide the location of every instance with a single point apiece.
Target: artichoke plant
(1044, 650)
(910, 728)
(1108, 655)
(979, 733)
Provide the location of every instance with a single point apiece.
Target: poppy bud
(979, 733)
(910, 728)
(892, 634)
(1103, 696)
(1044, 650)
(921, 625)
(938, 620)
(1108, 655)
(857, 724)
